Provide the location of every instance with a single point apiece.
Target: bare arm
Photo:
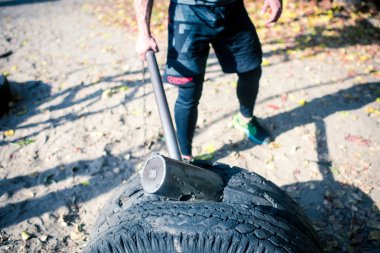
(275, 9)
(145, 40)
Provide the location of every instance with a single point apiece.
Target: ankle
(245, 119)
(187, 157)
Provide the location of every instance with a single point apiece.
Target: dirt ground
(85, 121)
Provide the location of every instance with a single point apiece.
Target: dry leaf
(273, 107)
(208, 153)
(344, 114)
(358, 140)
(374, 235)
(43, 238)
(85, 183)
(334, 170)
(9, 133)
(274, 145)
(265, 62)
(24, 235)
(302, 102)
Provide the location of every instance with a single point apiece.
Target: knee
(251, 75)
(188, 97)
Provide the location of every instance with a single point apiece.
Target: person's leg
(188, 48)
(238, 49)
(247, 89)
(186, 115)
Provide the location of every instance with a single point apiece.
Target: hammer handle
(163, 109)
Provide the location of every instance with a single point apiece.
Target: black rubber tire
(254, 216)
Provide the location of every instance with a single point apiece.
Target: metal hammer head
(177, 180)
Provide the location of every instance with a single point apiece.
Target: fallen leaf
(344, 114)
(208, 153)
(373, 111)
(273, 107)
(297, 172)
(136, 113)
(370, 69)
(25, 236)
(358, 140)
(364, 58)
(274, 145)
(85, 183)
(334, 170)
(123, 88)
(284, 97)
(43, 238)
(34, 174)
(376, 74)
(374, 235)
(265, 62)
(352, 73)
(370, 109)
(9, 133)
(302, 102)
(25, 142)
(107, 93)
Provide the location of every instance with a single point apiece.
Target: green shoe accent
(252, 129)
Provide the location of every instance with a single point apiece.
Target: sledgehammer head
(177, 180)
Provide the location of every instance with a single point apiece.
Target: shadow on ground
(362, 33)
(31, 96)
(65, 184)
(5, 3)
(316, 110)
(102, 178)
(342, 213)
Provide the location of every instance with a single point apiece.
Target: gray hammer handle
(163, 109)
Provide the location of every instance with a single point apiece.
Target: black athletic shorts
(192, 28)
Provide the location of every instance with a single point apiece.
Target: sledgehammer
(169, 177)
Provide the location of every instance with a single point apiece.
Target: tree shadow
(352, 98)
(362, 33)
(33, 95)
(34, 98)
(341, 213)
(21, 2)
(99, 175)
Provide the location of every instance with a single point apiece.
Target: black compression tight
(247, 89)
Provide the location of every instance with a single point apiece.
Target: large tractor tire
(254, 216)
